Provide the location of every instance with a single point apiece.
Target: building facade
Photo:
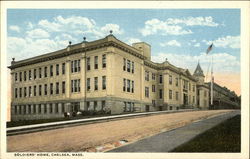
(103, 75)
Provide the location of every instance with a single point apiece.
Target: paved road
(167, 141)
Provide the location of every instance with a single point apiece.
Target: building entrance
(185, 99)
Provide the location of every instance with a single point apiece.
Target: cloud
(171, 43)
(175, 26)
(130, 41)
(223, 62)
(225, 42)
(114, 27)
(193, 21)
(37, 33)
(22, 48)
(14, 28)
(197, 45)
(155, 26)
(76, 25)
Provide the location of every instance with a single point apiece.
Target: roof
(198, 71)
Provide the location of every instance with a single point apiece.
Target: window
(63, 68)
(190, 86)
(160, 79)
(88, 63)
(34, 90)
(45, 89)
(153, 102)
(176, 82)
(29, 91)
(88, 84)
(34, 74)
(153, 76)
(56, 108)
(20, 109)
(34, 109)
(57, 87)
(95, 105)
(132, 89)
(88, 105)
(29, 109)
(96, 83)
(103, 82)
(29, 74)
(15, 92)
(63, 87)
(51, 70)
(72, 85)
(40, 72)
(79, 65)
(40, 90)
(193, 88)
(160, 93)
(170, 79)
(170, 94)
(25, 92)
(146, 75)
(24, 76)
(193, 99)
(15, 109)
(57, 69)
(96, 62)
(50, 108)
(45, 108)
(146, 92)
(177, 95)
(20, 76)
(185, 86)
(75, 85)
(39, 108)
(20, 92)
(24, 109)
(79, 85)
(128, 85)
(45, 71)
(103, 104)
(51, 88)
(63, 109)
(153, 88)
(128, 65)
(72, 66)
(205, 93)
(15, 76)
(104, 61)
(124, 64)
(133, 65)
(75, 66)
(124, 84)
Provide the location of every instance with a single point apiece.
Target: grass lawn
(224, 137)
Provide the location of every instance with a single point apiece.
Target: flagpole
(212, 80)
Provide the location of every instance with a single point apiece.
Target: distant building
(105, 74)
(223, 98)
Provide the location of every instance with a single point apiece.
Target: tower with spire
(199, 75)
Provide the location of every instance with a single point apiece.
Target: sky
(180, 35)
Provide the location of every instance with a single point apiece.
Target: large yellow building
(105, 74)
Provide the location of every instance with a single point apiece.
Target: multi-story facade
(223, 98)
(105, 74)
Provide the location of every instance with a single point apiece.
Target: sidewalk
(167, 141)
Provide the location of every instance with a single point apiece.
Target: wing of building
(103, 75)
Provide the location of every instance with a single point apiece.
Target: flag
(209, 48)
